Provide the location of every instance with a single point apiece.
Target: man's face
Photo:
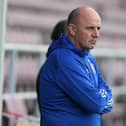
(87, 31)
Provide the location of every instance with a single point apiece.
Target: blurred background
(25, 37)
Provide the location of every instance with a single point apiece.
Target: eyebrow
(92, 27)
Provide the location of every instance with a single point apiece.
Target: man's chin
(92, 47)
(88, 48)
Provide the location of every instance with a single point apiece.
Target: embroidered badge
(103, 93)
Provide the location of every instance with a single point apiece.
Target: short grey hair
(72, 18)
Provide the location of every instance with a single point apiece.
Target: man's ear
(72, 29)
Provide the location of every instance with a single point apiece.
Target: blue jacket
(72, 91)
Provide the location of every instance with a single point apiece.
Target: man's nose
(96, 33)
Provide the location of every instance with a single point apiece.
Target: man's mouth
(93, 41)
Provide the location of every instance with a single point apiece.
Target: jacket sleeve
(75, 82)
(102, 85)
(104, 89)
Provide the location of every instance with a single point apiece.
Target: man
(72, 91)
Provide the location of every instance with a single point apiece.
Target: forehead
(89, 17)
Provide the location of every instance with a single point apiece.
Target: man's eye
(99, 28)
